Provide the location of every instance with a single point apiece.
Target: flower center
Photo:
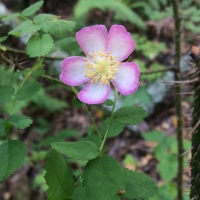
(101, 66)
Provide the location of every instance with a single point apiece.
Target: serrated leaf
(6, 93)
(81, 150)
(62, 27)
(10, 17)
(108, 102)
(93, 138)
(130, 114)
(12, 156)
(103, 178)
(19, 121)
(58, 177)
(138, 185)
(39, 45)
(32, 9)
(25, 27)
(79, 193)
(39, 19)
(2, 125)
(115, 129)
(28, 90)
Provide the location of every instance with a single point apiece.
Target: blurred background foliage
(57, 115)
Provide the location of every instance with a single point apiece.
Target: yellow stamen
(103, 67)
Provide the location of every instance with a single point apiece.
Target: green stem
(110, 122)
(88, 112)
(77, 181)
(178, 99)
(52, 79)
(76, 92)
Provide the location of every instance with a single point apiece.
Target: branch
(177, 35)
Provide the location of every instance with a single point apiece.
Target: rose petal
(119, 42)
(94, 93)
(73, 71)
(127, 78)
(92, 39)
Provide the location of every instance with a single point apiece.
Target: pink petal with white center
(120, 42)
(92, 39)
(94, 93)
(127, 78)
(73, 71)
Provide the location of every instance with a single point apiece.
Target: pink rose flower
(103, 64)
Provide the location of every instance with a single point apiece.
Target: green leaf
(93, 138)
(6, 93)
(115, 129)
(81, 150)
(103, 178)
(12, 156)
(108, 102)
(70, 45)
(38, 73)
(168, 167)
(2, 39)
(2, 125)
(39, 19)
(44, 101)
(140, 96)
(48, 23)
(28, 90)
(168, 144)
(122, 11)
(156, 136)
(39, 45)
(138, 185)
(32, 9)
(19, 121)
(58, 177)
(62, 27)
(10, 17)
(25, 27)
(79, 193)
(166, 192)
(130, 114)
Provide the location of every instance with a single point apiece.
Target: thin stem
(177, 25)
(77, 181)
(88, 112)
(52, 79)
(110, 122)
(5, 48)
(76, 92)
